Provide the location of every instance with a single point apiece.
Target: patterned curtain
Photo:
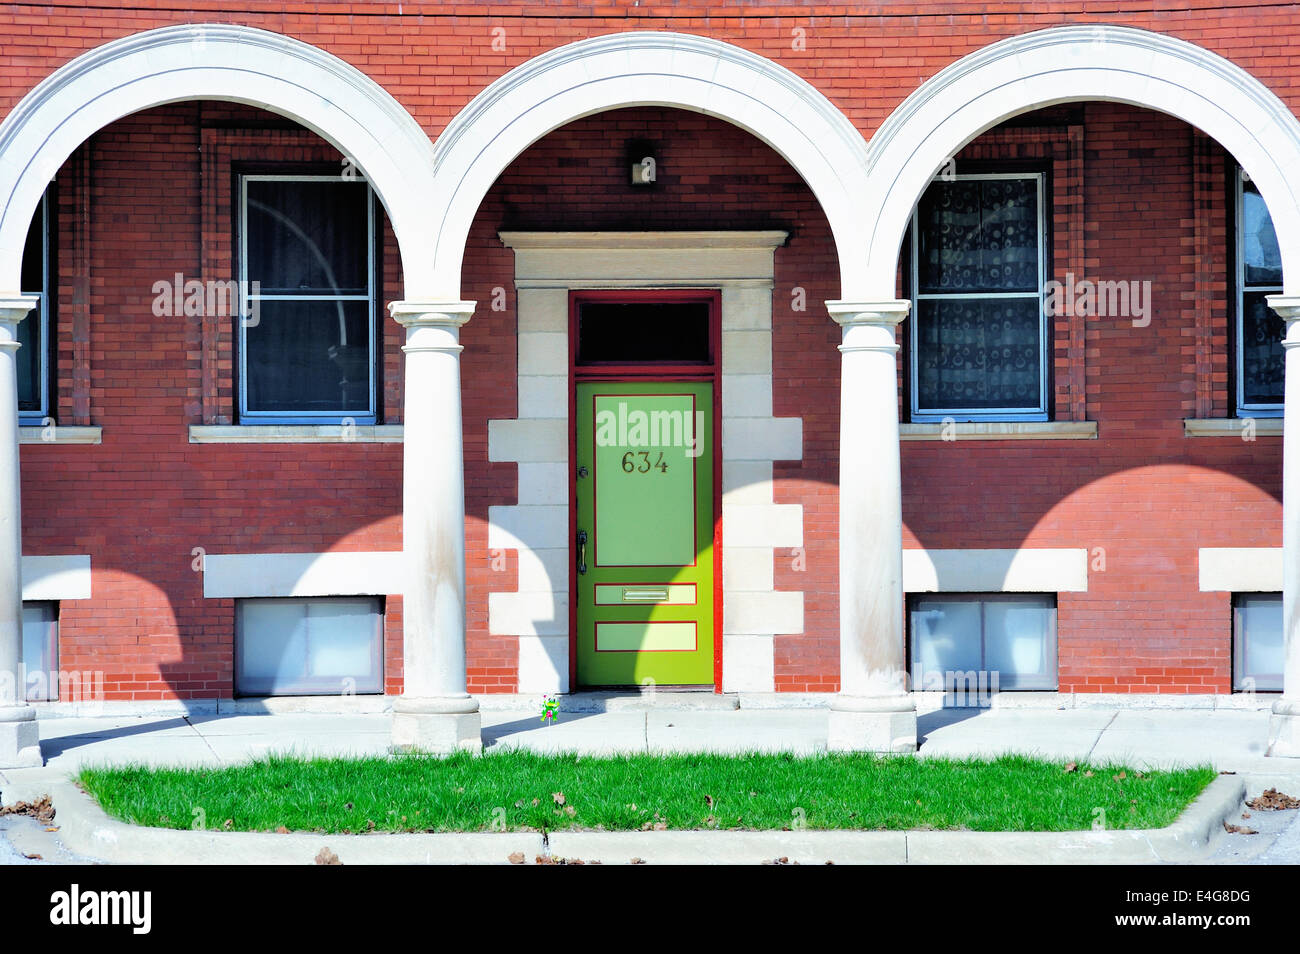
(979, 322)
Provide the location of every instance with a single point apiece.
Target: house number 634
(644, 466)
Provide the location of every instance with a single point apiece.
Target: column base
(437, 726)
(882, 725)
(20, 742)
(1284, 730)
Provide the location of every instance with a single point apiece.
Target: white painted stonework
(249, 575)
(647, 68)
(59, 434)
(229, 63)
(1241, 569)
(1073, 64)
(56, 577)
(1029, 570)
(547, 266)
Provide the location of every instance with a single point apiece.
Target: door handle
(582, 551)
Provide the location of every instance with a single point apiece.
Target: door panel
(645, 603)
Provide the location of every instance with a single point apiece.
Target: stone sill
(1001, 431)
(35, 434)
(295, 434)
(1231, 426)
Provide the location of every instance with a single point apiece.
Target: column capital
(14, 307)
(1287, 308)
(445, 313)
(889, 312)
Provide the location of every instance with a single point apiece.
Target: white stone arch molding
(647, 69)
(217, 62)
(1071, 64)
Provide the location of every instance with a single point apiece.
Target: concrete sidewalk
(1230, 741)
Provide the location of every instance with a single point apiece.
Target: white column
(434, 712)
(1284, 726)
(873, 711)
(19, 742)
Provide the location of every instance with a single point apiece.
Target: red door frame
(649, 372)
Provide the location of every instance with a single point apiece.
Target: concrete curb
(87, 830)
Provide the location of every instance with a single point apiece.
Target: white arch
(646, 69)
(1069, 64)
(219, 62)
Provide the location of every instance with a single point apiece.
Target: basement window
(319, 647)
(1257, 651)
(41, 651)
(992, 641)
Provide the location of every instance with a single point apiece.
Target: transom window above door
(978, 336)
(307, 335)
(661, 328)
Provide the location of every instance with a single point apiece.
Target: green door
(644, 548)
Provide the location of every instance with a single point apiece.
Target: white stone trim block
(59, 434)
(1241, 569)
(762, 438)
(1000, 431)
(1029, 570)
(749, 663)
(531, 527)
(1232, 427)
(296, 433)
(762, 525)
(543, 664)
(56, 577)
(528, 614)
(357, 573)
(534, 440)
(761, 612)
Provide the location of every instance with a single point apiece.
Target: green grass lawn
(525, 791)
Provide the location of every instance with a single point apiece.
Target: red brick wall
(131, 213)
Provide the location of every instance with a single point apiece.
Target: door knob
(582, 551)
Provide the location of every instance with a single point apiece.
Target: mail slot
(669, 594)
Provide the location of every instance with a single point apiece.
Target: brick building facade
(928, 470)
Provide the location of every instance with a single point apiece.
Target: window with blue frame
(34, 330)
(307, 328)
(979, 332)
(1259, 332)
